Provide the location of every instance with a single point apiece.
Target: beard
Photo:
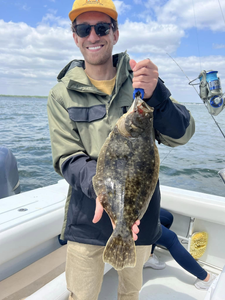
(99, 57)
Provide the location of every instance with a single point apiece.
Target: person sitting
(170, 240)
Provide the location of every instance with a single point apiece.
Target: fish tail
(120, 251)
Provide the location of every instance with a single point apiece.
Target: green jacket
(80, 119)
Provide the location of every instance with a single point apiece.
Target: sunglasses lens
(83, 30)
(102, 29)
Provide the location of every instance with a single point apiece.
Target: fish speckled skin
(125, 180)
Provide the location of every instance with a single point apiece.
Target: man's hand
(145, 76)
(98, 214)
(98, 211)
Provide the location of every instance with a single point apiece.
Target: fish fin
(120, 252)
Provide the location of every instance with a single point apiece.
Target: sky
(181, 37)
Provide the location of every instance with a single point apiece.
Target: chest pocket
(87, 114)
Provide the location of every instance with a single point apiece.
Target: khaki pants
(85, 270)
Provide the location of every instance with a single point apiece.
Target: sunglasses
(101, 29)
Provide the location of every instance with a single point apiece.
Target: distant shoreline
(23, 96)
(47, 97)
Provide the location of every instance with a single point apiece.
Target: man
(83, 108)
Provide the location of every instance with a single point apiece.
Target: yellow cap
(81, 6)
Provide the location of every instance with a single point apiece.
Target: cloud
(218, 46)
(179, 71)
(187, 14)
(31, 57)
(36, 54)
(154, 37)
(52, 20)
(25, 7)
(121, 7)
(154, 3)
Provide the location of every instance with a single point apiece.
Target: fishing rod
(210, 89)
(212, 95)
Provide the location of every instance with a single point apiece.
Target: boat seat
(56, 289)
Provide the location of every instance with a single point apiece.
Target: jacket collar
(74, 77)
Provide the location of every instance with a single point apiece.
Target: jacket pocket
(87, 114)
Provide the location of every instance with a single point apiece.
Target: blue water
(194, 166)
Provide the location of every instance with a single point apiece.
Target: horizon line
(24, 96)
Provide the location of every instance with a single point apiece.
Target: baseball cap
(81, 6)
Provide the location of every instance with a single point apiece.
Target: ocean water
(194, 166)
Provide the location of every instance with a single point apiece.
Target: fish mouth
(143, 108)
(127, 126)
(140, 106)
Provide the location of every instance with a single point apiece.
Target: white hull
(30, 235)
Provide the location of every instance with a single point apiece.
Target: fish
(126, 176)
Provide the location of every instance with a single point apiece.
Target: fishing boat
(32, 257)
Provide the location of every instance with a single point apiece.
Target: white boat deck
(36, 281)
(171, 283)
(31, 257)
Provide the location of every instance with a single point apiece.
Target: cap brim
(75, 13)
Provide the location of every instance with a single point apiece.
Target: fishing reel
(211, 91)
(212, 96)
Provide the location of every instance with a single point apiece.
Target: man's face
(97, 50)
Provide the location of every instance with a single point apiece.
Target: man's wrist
(160, 94)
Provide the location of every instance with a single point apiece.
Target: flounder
(126, 177)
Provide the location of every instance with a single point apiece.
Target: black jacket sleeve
(170, 119)
(78, 171)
